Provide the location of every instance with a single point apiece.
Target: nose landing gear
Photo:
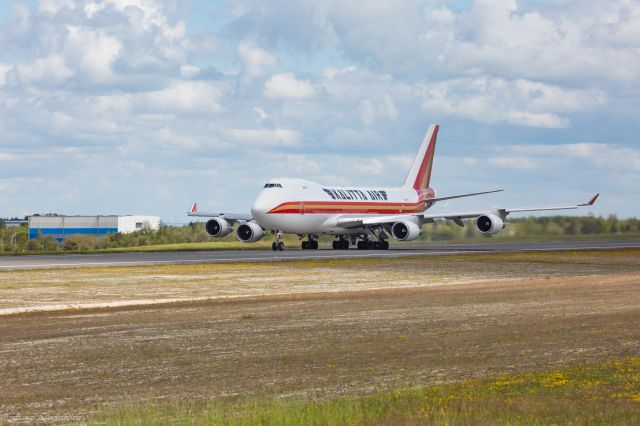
(277, 245)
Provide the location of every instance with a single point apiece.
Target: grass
(97, 284)
(208, 245)
(325, 241)
(327, 346)
(605, 393)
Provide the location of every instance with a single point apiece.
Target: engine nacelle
(217, 227)
(405, 231)
(249, 232)
(489, 224)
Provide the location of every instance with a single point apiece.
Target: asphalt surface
(254, 256)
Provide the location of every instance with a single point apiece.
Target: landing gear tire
(341, 245)
(310, 245)
(373, 245)
(277, 245)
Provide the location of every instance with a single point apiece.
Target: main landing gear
(381, 244)
(373, 245)
(277, 245)
(311, 244)
(341, 244)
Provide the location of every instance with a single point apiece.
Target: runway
(254, 256)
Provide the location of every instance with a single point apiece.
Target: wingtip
(592, 201)
(194, 208)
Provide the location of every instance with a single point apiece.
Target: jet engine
(405, 231)
(489, 224)
(217, 227)
(249, 232)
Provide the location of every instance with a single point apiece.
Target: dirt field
(308, 328)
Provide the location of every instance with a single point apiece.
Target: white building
(128, 224)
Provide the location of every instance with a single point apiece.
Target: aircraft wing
(451, 197)
(356, 222)
(228, 216)
(504, 212)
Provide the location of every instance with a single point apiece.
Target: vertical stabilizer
(420, 172)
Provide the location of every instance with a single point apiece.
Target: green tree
(34, 245)
(70, 245)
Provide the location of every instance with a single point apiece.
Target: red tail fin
(420, 172)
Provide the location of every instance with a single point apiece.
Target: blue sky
(142, 107)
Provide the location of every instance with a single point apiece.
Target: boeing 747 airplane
(363, 217)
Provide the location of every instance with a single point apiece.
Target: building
(14, 223)
(60, 227)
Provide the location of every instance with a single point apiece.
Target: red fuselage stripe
(310, 207)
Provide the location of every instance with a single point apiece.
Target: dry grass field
(85, 342)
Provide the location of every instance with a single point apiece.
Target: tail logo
(424, 172)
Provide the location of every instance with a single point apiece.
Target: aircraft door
(301, 207)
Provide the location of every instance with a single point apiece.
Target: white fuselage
(302, 207)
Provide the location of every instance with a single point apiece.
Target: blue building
(60, 227)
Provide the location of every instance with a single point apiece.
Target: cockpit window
(272, 185)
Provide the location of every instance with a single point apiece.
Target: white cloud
(51, 69)
(287, 86)
(104, 86)
(254, 60)
(532, 119)
(520, 102)
(579, 40)
(298, 163)
(613, 157)
(517, 163)
(261, 113)
(266, 137)
(192, 97)
(55, 6)
(370, 166)
(93, 52)
(384, 108)
(8, 157)
(402, 162)
(189, 71)
(4, 68)
(352, 138)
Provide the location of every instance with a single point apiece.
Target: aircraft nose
(260, 206)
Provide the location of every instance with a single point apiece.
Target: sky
(143, 106)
